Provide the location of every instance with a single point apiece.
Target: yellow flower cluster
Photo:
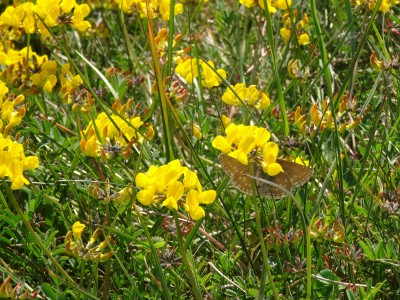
(187, 69)
(12, 110)
(321, 120)
(273, 5)
(246, 143)
(74, 245)
(165, 184)
(157, 8)
(13, 162)
(38, 71)
(113, 134)
(286, 30)
(12, 158)
(26, 16)
(384, 7)
(246, 95)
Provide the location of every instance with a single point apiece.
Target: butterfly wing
(297, 174)
(294, 175)
(282, 179)
(237, 170)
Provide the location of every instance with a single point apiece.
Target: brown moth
(293, 176)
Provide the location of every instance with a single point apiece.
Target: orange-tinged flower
(89, 147)
(315, 115)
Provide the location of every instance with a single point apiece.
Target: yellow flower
(111, 135)
(77, 230)
(244, 142)
(146, 197)
(207, 197)
(127, 5)
(246, 95)
(190, 180)
(75, 247)
(174, 194)
(187, 69)
(269, 165)
(192, 202)
(222, 144)
(89, 146)
(209, 77)
(300, 120)
(80, 12)
(316, 115)
(246, 145)
(303, 39)
(29, 18)
(274, 4)
(282, 4)
(285, 34)
(249, 3)
(165, 184)
(3, 91)
(158, 8)
(13, 162)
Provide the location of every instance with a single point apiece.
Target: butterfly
(293, 176)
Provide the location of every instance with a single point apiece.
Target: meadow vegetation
(139, 140)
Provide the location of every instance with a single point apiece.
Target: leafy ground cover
(144, 146)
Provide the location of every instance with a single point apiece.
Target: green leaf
(367, 250)
(49, 291)
(324, 289)
(350, 294)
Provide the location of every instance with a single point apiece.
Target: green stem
(264, 252)
(308, 262)
(153, 251)
(161, 91)
(171, 31)
(270, 33)
(190, 270)
(81, 279)
(40, 244)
